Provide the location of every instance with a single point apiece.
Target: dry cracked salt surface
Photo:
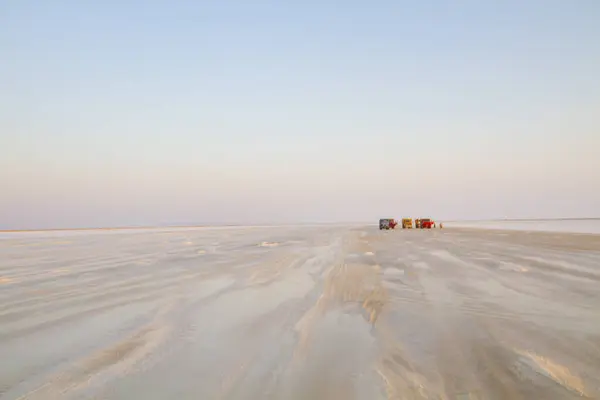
(300, 313)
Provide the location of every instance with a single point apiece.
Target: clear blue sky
(144, 112)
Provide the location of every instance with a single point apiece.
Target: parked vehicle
(387, 223)
(407, 223)
(427, 223)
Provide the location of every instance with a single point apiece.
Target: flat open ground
(300, 313)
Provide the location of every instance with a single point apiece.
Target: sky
(131, 112)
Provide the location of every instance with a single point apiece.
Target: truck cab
(427, 223)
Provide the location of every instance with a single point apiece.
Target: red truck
(427, 223)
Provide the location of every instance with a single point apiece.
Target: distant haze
(143, 113)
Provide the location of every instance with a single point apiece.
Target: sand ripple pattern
(310, 312)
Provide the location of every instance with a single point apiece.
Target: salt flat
(312, 312)
(588, 225)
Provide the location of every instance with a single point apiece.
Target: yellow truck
(407, 223)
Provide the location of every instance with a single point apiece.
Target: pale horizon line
(224, 225)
